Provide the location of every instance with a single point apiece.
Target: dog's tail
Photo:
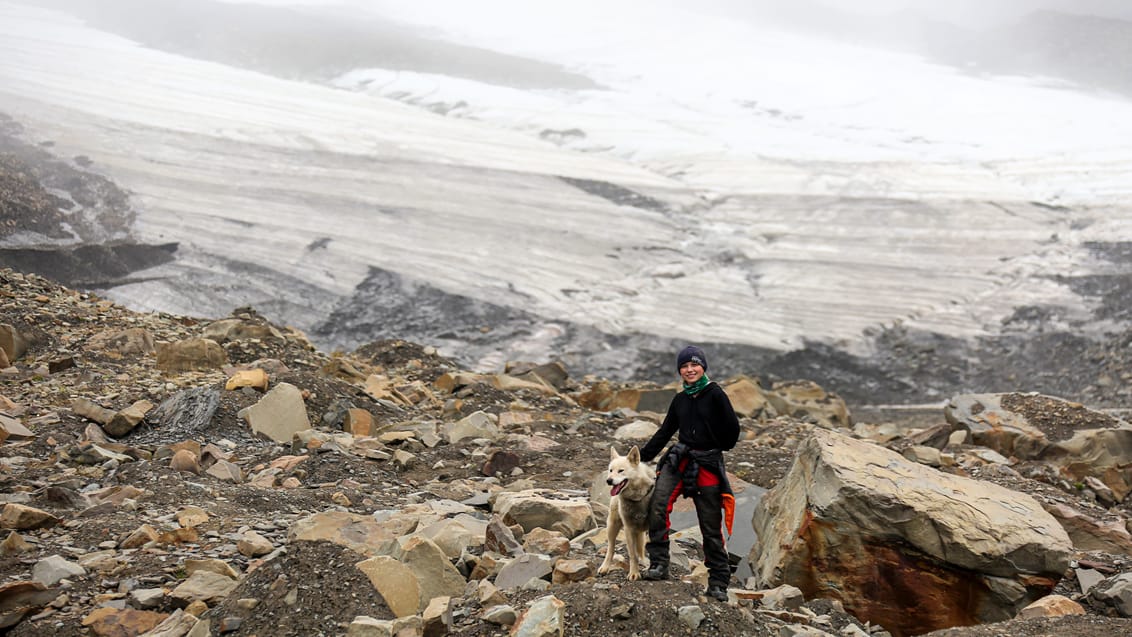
(728, 511)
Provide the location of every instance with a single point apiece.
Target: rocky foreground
(164, 475)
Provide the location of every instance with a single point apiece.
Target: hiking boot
(655, 573)
(718, 593)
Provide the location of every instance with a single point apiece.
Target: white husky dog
(631, 484)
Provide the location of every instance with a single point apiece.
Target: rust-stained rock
(498, 538)
(187, 410)
(903, 545)
(182, 624)
(252, 544)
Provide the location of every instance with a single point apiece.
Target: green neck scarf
(697, 386)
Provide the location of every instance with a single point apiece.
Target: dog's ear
(634, 455)
(613, 455)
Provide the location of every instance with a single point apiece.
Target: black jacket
(705, 421)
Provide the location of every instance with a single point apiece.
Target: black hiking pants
(709, 511)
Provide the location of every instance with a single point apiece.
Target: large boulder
(903, 545)
(238, 329)
(553, 373)
(434, 571)
(279, 414)
(749, 399)
(360, 533)
(136, 341)
(395, 582)
(189, 410)
(13, 343)
(1080, 442)
(604, 397)
(1104, 454)
(806, 400)
(540, 508)
(994, 426)
(190, 354)
(479, 424)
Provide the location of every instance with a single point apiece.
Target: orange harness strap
(728, 511)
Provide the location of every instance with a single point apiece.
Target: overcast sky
(986, 12)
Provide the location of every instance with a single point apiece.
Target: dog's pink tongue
(617, 488)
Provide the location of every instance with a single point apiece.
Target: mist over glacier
(598, 181)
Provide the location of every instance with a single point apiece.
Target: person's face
(691, 372)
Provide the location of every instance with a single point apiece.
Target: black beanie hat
(693, 354)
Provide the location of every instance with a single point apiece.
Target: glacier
(720, 181)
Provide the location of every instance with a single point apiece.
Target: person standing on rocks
(706, 424)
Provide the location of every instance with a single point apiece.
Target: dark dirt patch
(405, 355)
(614, 606)
(314, 589)
(1059, 420)
(1077, 625)
(89, 266)
(619, 195)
